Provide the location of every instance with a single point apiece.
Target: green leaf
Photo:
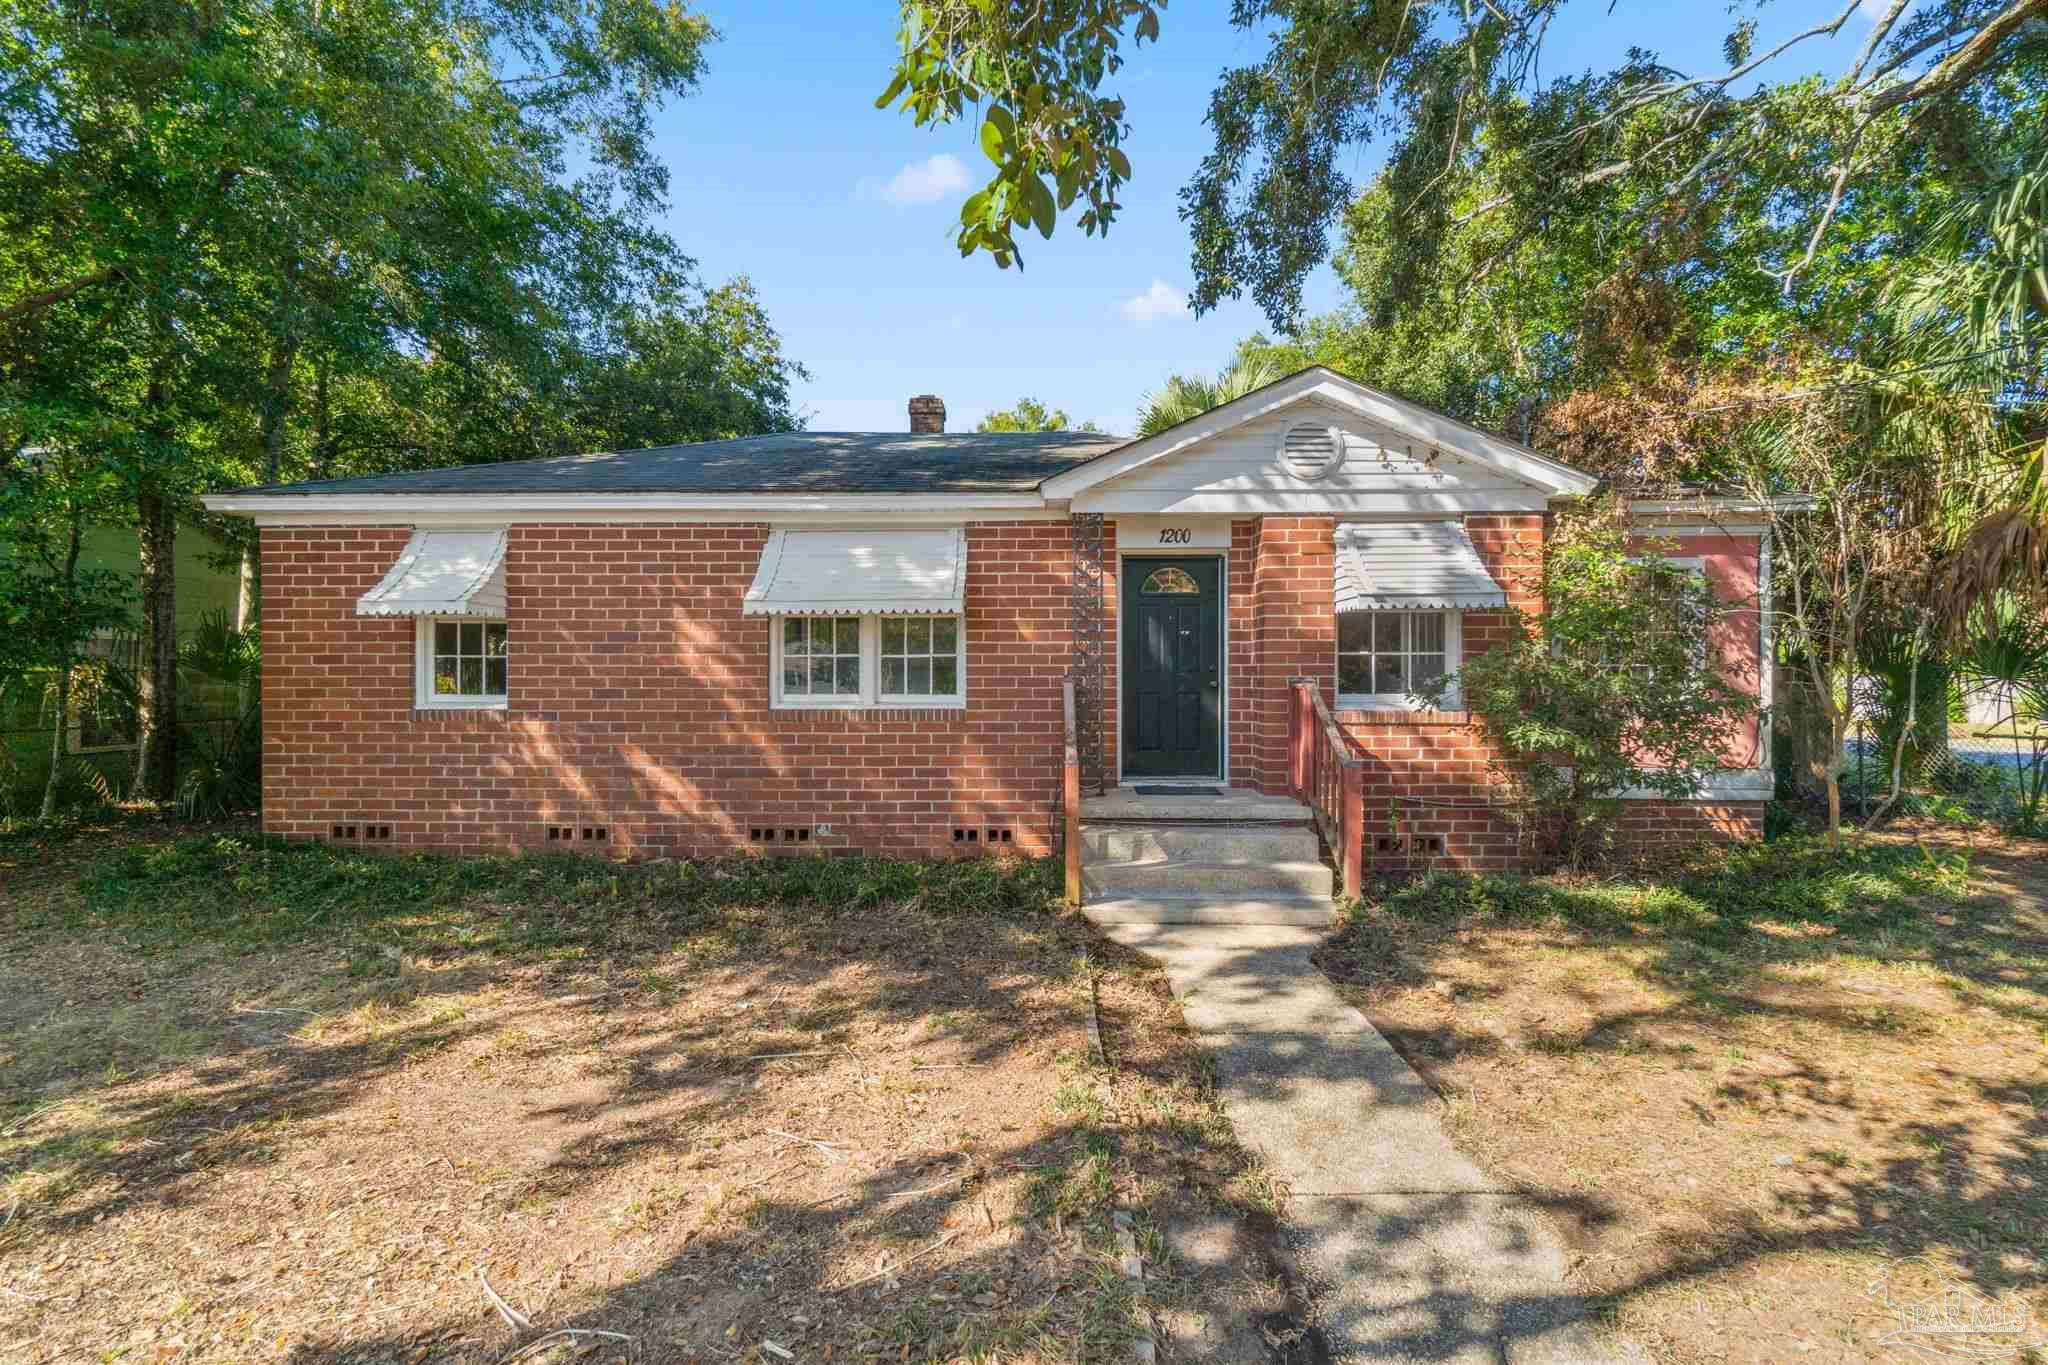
(1038, 202)
(883, 100)
(1069, 178)
(1119, 164)
(998, 134)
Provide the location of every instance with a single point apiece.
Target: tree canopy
(250, 240)
(1031, 415)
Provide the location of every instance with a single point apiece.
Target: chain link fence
(1975, 759)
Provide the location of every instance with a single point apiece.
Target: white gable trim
(1325, 386)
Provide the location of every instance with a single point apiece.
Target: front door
(1172, 667)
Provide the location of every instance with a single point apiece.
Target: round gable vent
(1308, 451)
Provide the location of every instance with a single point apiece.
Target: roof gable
(1396, 453)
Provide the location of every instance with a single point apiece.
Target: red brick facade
(638, 703)
(639, 700)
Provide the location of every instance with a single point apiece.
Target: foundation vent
(596, 834)
(561, 834)
(778, 834)
(976, 836)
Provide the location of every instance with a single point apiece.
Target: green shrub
(1613, 688)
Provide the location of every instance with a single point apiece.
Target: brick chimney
(927, 414)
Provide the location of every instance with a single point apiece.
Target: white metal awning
(851, 573)
(1411, 566)
(443, 573)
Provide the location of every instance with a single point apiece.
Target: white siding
(1239, 471)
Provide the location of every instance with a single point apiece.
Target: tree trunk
(323, 438)
(63, 721)
(245, 589)
(1800, 723)
(156, 753)
(276, 409)
(1906, 735)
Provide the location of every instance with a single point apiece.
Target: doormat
(1177, 791)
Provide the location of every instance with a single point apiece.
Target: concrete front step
(1302, 911)
(1178, 876)
(1197, 843)
(1231, 806)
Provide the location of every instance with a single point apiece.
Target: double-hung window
(827, 661)
(1384, 656)
(461, 663)
(1682, 606)
(821, 658)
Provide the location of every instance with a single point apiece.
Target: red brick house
(860, 641)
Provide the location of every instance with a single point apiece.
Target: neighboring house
(204, 586)
(859, 641)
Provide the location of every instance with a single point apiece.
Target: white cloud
(921, 182)
(1161, 301)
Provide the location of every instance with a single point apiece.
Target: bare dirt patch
(771, 1132)
(1786, 1114)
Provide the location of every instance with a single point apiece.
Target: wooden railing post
(1300, 717)
(1353, 824)
(1070, 799)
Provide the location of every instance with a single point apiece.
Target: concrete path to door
(1410, 1252)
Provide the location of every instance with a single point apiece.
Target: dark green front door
(1172, 667)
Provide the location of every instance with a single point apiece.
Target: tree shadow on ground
(1784, 1084)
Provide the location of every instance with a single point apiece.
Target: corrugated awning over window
(852, 573)
(1411, 566)
(443, 573)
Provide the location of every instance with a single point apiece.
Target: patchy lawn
(1792, 1106)
(287, 1103)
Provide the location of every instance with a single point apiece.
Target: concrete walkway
(1411, 1252)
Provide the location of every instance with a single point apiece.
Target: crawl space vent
(1309, 451)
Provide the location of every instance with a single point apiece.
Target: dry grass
(272, 1105)
(1796, 1106)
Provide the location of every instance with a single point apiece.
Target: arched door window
(1169, 579)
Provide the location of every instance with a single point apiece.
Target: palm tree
(1976, 315)
(1183, 396)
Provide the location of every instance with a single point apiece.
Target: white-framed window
(462, 662)
(848, 661)
(1686, 610)
(821, 658)
(920, 657)
(1382, 656)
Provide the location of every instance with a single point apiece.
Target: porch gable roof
(1323, 386)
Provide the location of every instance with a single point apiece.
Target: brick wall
(639, 699)
(639, 702)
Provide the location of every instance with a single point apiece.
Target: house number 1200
(1177, 535)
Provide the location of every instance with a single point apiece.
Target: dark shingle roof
(788, 462)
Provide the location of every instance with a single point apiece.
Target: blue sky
(782, 170)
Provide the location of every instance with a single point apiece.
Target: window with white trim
(846, 661)
(920, 657)
(462, 662)
(820, 657)
(1683, 605)
(1383, 656)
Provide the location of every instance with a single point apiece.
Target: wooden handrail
(1328, 775)
(1070, 793)
(1339, 743)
